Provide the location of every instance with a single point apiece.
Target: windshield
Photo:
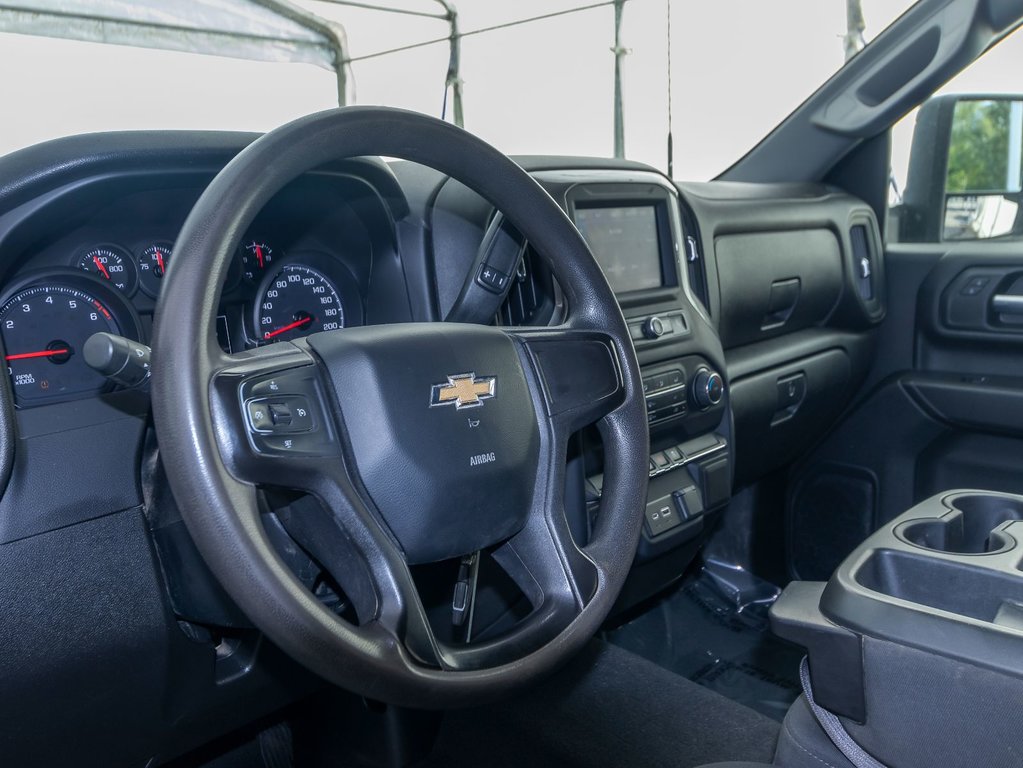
(538, 75)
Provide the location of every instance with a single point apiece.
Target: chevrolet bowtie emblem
(464, 390)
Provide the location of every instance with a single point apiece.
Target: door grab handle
(1007, 303)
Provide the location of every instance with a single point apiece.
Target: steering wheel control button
(259, 416)
(492, 279)
(283, 415)
(291, 413)
(280, 414)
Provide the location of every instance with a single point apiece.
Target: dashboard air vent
(692, 256)
(696, 272)
(531, 298)
(864, 260)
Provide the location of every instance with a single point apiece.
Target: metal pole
(454, 78)
(620, 53)
(853, 41)
(333, 32)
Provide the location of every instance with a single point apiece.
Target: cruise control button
(280, 414)
(301, 414)
(267, 387)
(284, 443)
(259, 416)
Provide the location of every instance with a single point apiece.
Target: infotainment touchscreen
(625, 240)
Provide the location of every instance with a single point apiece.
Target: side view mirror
(965, 177)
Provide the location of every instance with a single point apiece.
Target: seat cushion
(804, 744)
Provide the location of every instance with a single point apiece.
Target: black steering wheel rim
(222, 512)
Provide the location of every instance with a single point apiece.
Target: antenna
(671, 149)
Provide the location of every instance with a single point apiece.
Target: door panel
(942, 407)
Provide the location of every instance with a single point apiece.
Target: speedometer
(298, 300)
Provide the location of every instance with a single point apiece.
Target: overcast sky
(738, 67)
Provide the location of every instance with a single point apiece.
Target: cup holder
(969, 529)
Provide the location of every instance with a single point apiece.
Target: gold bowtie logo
(464, 390)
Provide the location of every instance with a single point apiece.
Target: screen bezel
(665, 240)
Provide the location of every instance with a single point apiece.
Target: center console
(631, 221)
(917, 639)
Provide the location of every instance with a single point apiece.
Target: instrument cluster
(47, 314)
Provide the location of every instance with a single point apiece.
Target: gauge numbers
(153, 263)
(44, 328)
(256, 260)
(110, 263)
(297, 300)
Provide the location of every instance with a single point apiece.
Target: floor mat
(705, 634)
(607, 709)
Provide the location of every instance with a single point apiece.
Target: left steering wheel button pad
(281, 413)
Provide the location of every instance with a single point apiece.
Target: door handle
(1007, 303)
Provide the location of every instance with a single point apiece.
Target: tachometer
(298, 300)
(44, 328)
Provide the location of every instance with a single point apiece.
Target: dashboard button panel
(665, 395)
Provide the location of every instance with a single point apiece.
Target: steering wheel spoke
(579, 373)
(302, 452)
(271, 416)
(349, 542)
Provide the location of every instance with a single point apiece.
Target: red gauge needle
(259, 256)
(43, 353)
(100, 267)
(159, 262)
(285, 329)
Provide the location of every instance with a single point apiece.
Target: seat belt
(832, 726)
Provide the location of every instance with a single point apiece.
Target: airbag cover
(443, 431)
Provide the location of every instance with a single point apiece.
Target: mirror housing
(965, 177)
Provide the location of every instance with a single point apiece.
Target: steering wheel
(419, 441)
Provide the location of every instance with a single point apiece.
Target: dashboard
(745, 303)
(98, 264)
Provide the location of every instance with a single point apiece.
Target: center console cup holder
(969, 528)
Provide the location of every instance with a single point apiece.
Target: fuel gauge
(153, 262)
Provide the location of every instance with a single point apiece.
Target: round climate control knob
(708, 388)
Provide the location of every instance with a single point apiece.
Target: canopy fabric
(263, 30)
